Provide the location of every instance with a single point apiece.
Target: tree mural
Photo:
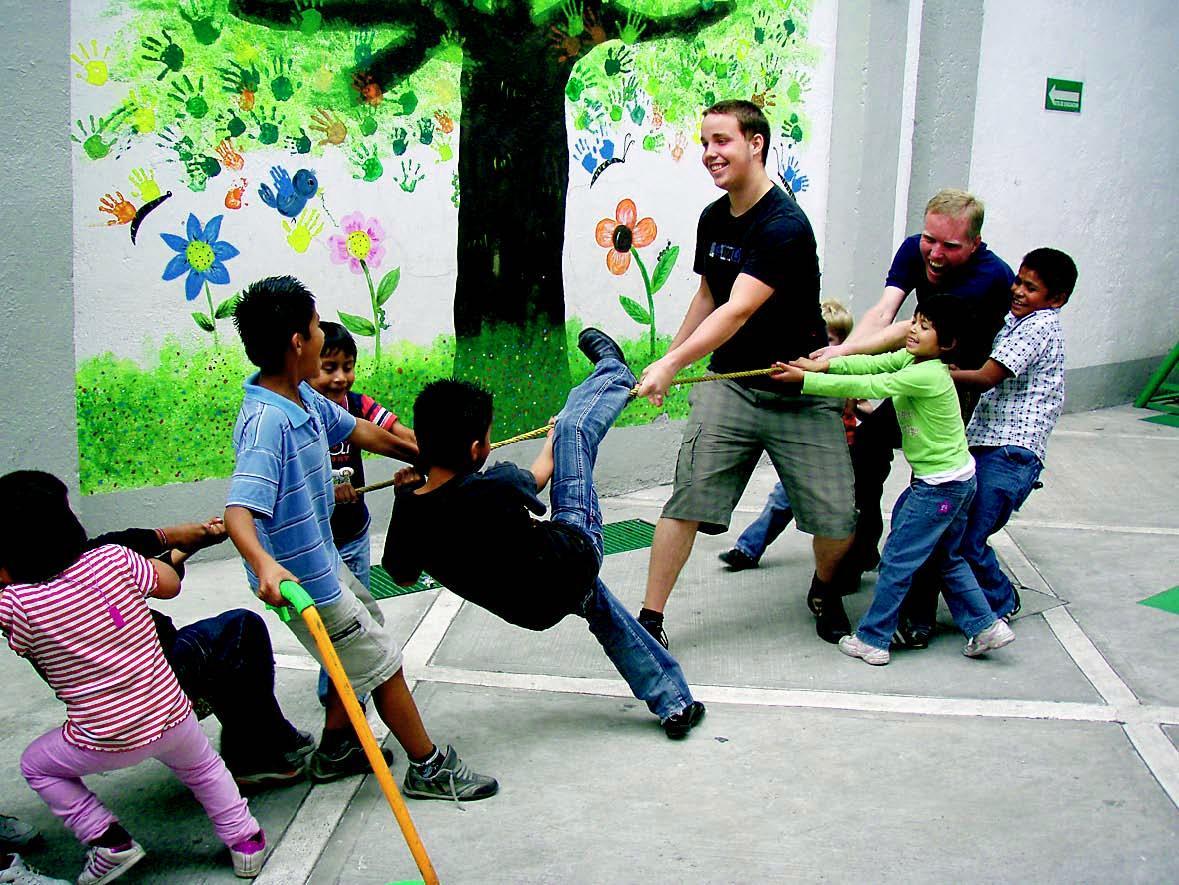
(359, 102)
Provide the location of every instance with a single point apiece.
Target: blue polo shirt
(283, 474)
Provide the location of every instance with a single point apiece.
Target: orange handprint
(118, 206)
(230, 156)
(445, 123)
(233, 197)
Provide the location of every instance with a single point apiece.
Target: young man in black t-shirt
(758, 302)
(473, 530)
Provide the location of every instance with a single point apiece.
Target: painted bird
(293, 195)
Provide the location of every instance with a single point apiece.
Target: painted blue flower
(202, 255)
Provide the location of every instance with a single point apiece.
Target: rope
(541, 431)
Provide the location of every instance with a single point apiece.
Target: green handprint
(800, 84)
(630, 90)
(307, 17)
(234, 125)
(167, 53)
(300, 144)
(633, 29)
(145, 184)
(573, 10)
(619, 60)
(411, 174)
(281, 83)
(368, 123)
(591, 116)
(638, 113)
(425, 130)
(761, 25)
(184, 92)
(366, 157)
(400, 144)
(362, 50)
(792, 130)
(615, 104)
(93, 143)
(306, 228)
(653, 141)
(237, 78)
(199, 15)
(268, 126)
(442, 146)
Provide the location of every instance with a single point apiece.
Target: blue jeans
(228, 661)
(591, 409)
(1006, 476)
(928, 523)
(764, 530)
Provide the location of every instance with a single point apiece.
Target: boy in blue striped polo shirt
(279, 517)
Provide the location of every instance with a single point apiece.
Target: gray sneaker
(15, 833)
(854, 647)
(346, 760)
(451, 780)
(995, 636)
(20, 873)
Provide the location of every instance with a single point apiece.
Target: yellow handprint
(306, 228)
(144, 181)
(329, 125)
(94, 68)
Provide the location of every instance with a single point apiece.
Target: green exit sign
(1063, 95)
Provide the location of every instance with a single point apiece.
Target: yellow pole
(304, 605)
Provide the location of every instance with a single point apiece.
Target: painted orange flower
(620, 234)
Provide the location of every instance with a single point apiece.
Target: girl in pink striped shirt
(82, 621)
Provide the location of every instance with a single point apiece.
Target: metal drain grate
(617, 537)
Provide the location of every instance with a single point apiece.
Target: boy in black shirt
(473, 531)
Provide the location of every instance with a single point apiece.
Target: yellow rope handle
(541, 431)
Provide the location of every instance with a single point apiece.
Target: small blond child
(778, 513)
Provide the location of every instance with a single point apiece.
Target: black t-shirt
(773, 242)
(476, 536)
(983, 284)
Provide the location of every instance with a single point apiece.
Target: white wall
(1100, 184)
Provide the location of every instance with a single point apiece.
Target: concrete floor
(1052, 760)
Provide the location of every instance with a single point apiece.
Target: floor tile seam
(1158, 753)
(1058, 525)
(1085, 434)
(1088, 658)
(1003, 708)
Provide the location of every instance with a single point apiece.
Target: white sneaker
(106, 864)
(19, 873)
(854, 647)
(15, 833)
(995, 636)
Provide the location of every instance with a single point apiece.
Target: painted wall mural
(459, 182)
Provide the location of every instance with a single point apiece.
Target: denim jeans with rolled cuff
(591, 409)
(928, 522)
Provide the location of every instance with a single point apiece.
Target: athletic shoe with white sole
(107, 864)
(854, 647)
(995, 636)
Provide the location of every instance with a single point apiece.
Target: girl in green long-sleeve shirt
(929, 518)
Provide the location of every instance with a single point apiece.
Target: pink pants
(54, 768)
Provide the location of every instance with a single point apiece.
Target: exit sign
(1063, 95)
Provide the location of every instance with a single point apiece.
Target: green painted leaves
(226, 308)
(663, 268)
(357, 325)
(202, 320)
(388, 285)
(634, 310)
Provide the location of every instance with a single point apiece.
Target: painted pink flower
(360, 242)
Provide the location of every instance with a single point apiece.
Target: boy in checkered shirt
(1023, 384)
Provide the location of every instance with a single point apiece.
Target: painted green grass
(173, 422)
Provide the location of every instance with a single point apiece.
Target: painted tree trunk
(514, 175)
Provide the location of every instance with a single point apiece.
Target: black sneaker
(655, 630)
(677, 725)
(832, 623)
(909, 635)
(597, 346)
(737, 559)
(344, 761)
(450, 780)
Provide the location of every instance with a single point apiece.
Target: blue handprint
(289, 196)
(790, 175)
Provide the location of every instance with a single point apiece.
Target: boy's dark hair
(1054, 268)
(39, 534)
(750, 120)
(948, 317)
(337, 339)
(448, 416)
(269, 312)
